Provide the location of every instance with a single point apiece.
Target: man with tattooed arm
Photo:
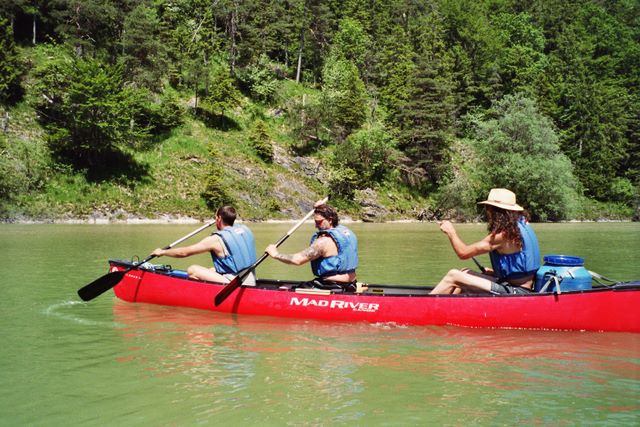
(333, 253)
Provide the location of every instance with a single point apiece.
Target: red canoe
(608, 308)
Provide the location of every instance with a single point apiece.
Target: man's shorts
(319, 283)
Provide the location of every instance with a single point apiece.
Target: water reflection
(320, 372)
(71, 363)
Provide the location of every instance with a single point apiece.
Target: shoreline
(187, 220)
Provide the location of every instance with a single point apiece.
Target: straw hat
(502, 198)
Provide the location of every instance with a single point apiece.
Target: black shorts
(319, 283)
(506, 288)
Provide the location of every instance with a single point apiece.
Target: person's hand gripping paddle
(231, 286)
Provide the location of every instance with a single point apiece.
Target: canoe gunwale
(385, 290)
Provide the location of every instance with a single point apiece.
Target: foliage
(261, 142)
(425, 120)
(421, 68)
(24, 167)
(522, 62)
(343, 97)
(519, 150)
(351, 43)
(305, 116)
(363, 159)
(90, 26)
(215, 193)
(161, 115)
(87, 110)
(260, 79)
(142, 51)
(223, 94)
(10, 66)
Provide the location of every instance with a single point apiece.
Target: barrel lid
(566, 260)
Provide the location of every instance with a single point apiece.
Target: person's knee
(192, 271)
(453, 273)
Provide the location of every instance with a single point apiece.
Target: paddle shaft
(482, 269)
(180, 240)
(109, 280)
(231, 286)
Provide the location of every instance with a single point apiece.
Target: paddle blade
(100, 285)
(226, 291)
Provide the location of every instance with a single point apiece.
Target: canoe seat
(313, 291)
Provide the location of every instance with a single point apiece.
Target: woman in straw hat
(511, 244)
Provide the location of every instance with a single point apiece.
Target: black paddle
(236, 281)
(482, 269)
(109, 280)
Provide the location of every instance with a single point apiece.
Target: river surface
(107, 362)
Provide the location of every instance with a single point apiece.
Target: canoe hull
(603, 309)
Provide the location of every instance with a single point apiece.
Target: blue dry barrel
(569, 270)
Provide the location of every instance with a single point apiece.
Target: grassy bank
(170, 172)
(171, 175)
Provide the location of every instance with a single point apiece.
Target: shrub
(23, 167)
(363, 159)
(517, 148)
(215, 193)
(260, 80)
(260, 141)
(87, 110)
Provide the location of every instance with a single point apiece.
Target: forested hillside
(398, 108)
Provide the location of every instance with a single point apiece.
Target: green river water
(107, 362)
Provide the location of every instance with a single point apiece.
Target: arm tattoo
(286, 258)
(311, 253)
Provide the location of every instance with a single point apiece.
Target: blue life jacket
(347, 259)
(241, 246)
(519, 264)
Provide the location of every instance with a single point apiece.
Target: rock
(372, 211)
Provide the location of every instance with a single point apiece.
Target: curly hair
(506, 222)
(328, 212)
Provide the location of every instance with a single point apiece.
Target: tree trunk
(232, 34)
(304, 20)
(195, 102)
(34, 30)
(206, 74)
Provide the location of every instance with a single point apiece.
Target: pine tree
(10, 66)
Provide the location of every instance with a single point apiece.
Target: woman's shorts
(506, 288)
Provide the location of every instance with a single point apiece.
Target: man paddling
(232, 250)
(333, 252)
(512, 245)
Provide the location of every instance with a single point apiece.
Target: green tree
(223, 94)
(10, 66)
(344, 97)
(351, 43)
(260, 141)
(425, 120)
(215, 192)
(260, 79)
(522, 61)
(89, 25)
(87, 110)
(473, 44)
(142, 51)
(516, 147)
(369, 153)
(395, 67)
(593, 102)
